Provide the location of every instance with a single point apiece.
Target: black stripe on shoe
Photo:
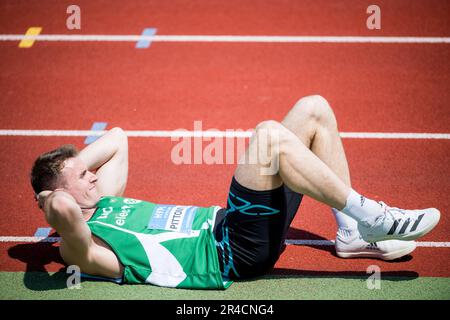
(394, 226)
(405, 225)
(416, 224)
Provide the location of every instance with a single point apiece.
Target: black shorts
(250, 233)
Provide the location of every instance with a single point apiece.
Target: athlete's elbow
(120, 137)
(119, 133)
(60, 207)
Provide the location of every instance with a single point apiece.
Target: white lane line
(213, 134)
(225, 38)
(30, 239)
(130, 133)
(297, 242)
(394, 135)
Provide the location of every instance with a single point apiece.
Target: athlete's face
(80, 182)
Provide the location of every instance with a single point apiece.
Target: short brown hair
(47, 167)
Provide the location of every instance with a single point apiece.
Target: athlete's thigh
(257, 167)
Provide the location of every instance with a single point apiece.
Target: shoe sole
(409, 236)
(370, 254)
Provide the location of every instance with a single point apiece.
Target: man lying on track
(137, 241)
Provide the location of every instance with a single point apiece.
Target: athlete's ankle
(362, 209)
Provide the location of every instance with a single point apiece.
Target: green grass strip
(42, 285)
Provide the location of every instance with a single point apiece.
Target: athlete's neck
(87, 213)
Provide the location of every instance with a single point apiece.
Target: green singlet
(165, 245)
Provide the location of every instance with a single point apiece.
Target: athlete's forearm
(104, 149)
(109, 157)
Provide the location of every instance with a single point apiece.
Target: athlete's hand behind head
(43, 196)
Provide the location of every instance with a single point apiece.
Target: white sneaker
(349, 244)
(395, 223)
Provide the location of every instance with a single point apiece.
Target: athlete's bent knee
(268, 125)
(273, 131)
(315, 108)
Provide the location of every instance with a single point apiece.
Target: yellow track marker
(28, 43)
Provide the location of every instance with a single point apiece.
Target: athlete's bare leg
(313, 122)
(298, 167)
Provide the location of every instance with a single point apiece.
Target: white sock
(344, 221)
(362, 209)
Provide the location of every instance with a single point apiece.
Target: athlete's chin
(95, 199)
(92, 199)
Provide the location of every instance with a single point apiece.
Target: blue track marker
(97, 126)
(42, 232)
(145, 43)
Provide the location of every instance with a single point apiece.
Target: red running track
(234, 17)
